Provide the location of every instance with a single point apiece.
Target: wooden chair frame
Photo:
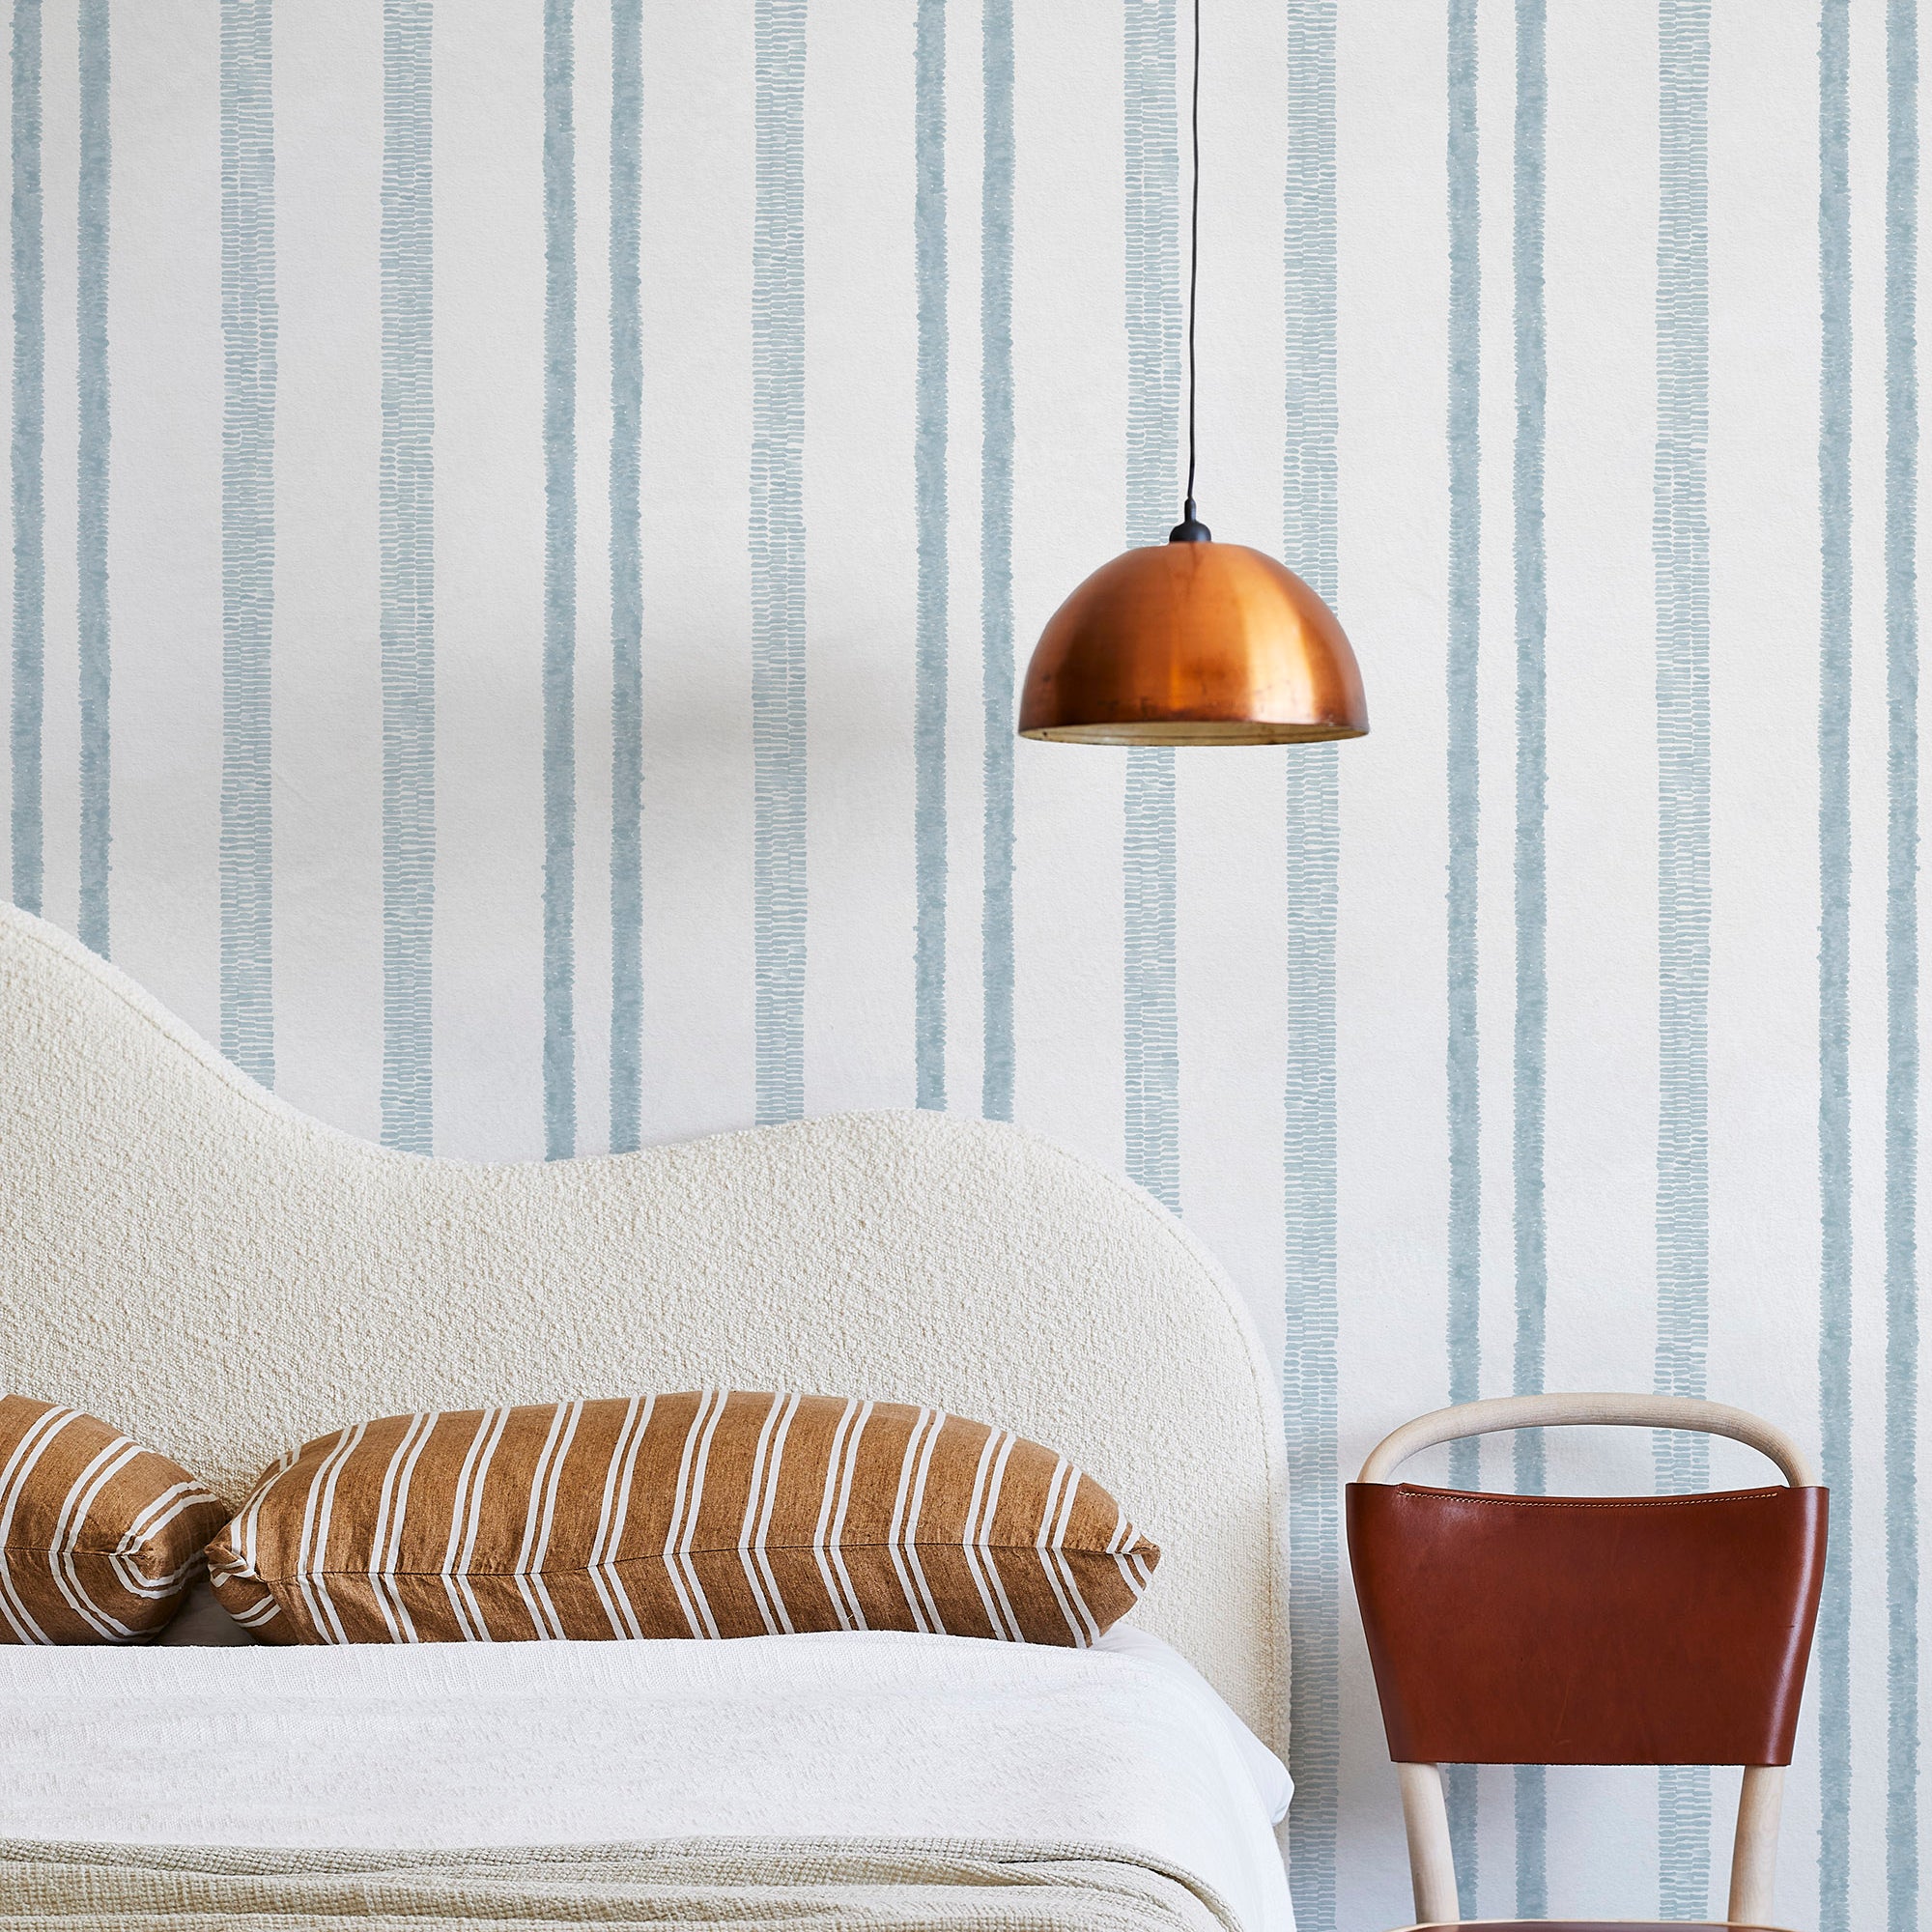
(1425, 1814)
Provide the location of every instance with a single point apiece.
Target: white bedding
(866, 1735)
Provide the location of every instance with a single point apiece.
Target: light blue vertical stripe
(407, 518)
(627, 606)
(778, 560)
(93, 25)
(1152, 1022)
(929, 726)
(247, 533)
(1901, 966)
(1681, 542)
(1311, 470)
(996, 554)
(559, 622)
(28, 451)
(1835, 926)
(1153, 1037)
(1463, 1070)
(1532, 976)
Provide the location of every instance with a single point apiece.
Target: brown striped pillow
(705, 1514)
(99, 1539)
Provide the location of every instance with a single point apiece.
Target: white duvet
(876, 1735)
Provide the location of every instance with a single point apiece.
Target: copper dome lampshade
(1191, 641)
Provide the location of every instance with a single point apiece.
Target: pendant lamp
(1193, 642)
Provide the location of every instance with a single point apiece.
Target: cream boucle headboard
(223, 1277)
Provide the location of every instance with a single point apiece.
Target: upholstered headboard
(223, 1277)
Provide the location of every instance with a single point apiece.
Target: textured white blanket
(859, 1737)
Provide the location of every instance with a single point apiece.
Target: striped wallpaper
(527, 519)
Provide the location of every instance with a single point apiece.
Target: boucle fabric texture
(708, 1514)
(99, 1538)
(754, 1886)
(225, 1277)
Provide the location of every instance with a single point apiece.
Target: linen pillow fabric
(705, 1514)
(99, 1539)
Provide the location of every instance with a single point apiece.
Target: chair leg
(1431, 1867)
(1754, 1854)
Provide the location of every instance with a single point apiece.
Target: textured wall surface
(524, 521)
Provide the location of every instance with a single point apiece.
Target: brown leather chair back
(1553, 1630)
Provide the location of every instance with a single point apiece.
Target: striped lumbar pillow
(698, 1515)
(99, 1539)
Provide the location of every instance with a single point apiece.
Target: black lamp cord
(1190, 529)
(1193, 249)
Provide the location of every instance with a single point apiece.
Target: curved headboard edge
(146, 1261)
(28, 928)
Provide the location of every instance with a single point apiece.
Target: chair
(1587, 1630)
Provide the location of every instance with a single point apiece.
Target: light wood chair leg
(1754, 1854)
(1431, 1867)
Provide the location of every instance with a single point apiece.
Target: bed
(224, 1277)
